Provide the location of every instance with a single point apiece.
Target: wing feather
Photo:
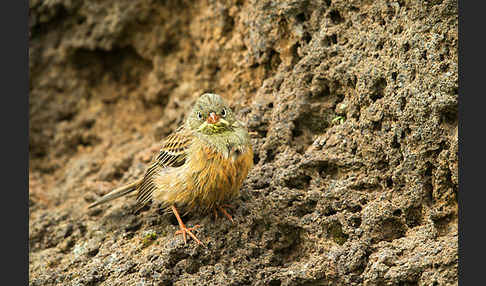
(172, 154)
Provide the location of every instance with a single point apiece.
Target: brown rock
(367, 200)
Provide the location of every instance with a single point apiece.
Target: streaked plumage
(200, 166)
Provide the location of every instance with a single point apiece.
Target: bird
(200, 166)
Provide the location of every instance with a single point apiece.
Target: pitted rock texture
(353, 109)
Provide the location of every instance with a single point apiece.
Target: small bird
(199, 167)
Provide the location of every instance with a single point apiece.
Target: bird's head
(211, 115)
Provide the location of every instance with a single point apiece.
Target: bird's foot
(183, 229)
(188, 230)
(221, 209)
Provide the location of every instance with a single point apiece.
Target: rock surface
(353, 105)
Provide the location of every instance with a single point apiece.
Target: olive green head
(210, 115)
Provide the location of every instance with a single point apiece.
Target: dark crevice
(403, 103)
(356, 222)
(394, 143)
(424, 55)
(123, 65)
(270, 156)
(379, 46)
(330, 211)
(335, 17)
(376, 126)
(413, 216)
(444, 67)
(329, 40)
(428, 187)
(256, 158)
(413, 75)
(307, 37)
(335, 232)
(326, 169)
(301, 17)
(406, 47)
(274, 60)
(300, 182)
(392, 228)
(60, 14)
(450, 115)
(378, 89)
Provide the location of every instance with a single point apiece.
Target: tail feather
(116, 193)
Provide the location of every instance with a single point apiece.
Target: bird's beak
(213, 118)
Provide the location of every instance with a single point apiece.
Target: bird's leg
(225, 212)
(183, 229)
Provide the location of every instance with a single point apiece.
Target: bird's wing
(173, 153)
(173, 150)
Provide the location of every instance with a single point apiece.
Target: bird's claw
(188, 230)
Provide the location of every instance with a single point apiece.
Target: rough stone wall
(354, 109)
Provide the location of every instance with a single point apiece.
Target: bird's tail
(116, 193)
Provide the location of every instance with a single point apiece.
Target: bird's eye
(199, 115)
(223, 112)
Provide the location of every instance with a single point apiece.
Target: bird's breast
(216, 176)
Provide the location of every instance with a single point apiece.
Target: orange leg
(225, 212)
(183, 229)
